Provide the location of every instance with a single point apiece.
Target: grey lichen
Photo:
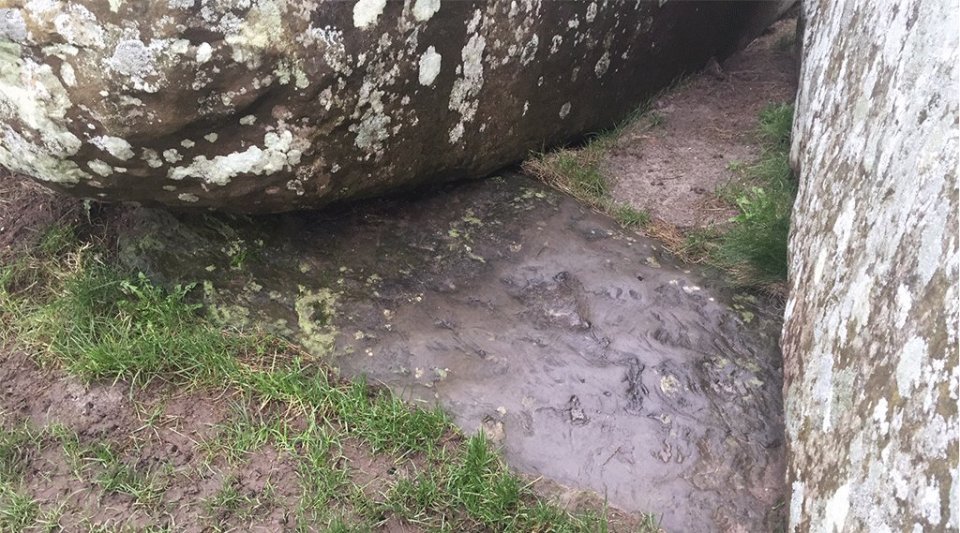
(870, 338)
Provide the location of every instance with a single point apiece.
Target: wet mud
(594, 358)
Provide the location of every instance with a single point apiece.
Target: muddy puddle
(590, 355)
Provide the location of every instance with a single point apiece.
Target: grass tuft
(17, 510)
(17, 446)
(579, 172)
(755, 247)
(631, 217)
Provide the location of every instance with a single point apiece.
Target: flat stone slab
(591, 355)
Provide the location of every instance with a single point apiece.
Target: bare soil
(672, 161)
(26, 209)
(159, 435)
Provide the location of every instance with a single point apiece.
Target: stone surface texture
(277, 105)
(870, 334)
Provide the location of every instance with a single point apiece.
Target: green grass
(66, 304)
(17, 446)
(474, 491)
(752, 249)
(630, 217)
(578, 171)
(755, 246)
(120, 477)
(17, 510)
(231, 501)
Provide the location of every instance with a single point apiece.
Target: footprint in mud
(557, 302)
(575, 412)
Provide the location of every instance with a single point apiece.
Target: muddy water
(591, 356)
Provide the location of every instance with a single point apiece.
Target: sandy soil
(671, 163)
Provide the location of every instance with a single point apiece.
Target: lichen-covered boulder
(275, 105)
(870, 338)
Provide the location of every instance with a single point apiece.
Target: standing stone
(277, 105)
(870, 339)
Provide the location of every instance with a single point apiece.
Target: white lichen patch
(204, 53)
(172, 155)
(78, 26)
(281, 151)
(68, 75)
(602, 64)
(591, 12)
(372, 128)
(366, 12)
(187, 197)
(423, 10)
(529, 51)
(132, 57)
(114, 146)
(564, 110)
(12, 25)
(261, 29)
(429, 66)
(555, 42)
(467, 87)
(151, 157)
(34, 101)
(99, 167)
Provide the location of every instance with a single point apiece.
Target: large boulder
(275, 105)
(870, 339)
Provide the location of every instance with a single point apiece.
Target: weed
(119, 477)
(17, 510)
(17, 446)
(228, 500)
(786, 42)
(630, 217)
(56, 240)
(776, 122)
(579, 171)
(101, 324)
(243, 432)
(574, 172)
(755, 247)
(656, 119)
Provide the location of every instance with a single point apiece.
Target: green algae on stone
(315, 313)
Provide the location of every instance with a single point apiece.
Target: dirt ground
(163, 470)
(670, 163)
(26, 209)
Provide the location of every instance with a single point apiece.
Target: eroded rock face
(275, 105)
(870, 339)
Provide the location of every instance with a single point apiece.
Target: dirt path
(671, 163)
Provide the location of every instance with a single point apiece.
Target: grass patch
(17, 510)
(474, 491)
(630, 217)
(17, 446)
(68, 306)
(754, 248)
(578, 171)
(119, 477)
